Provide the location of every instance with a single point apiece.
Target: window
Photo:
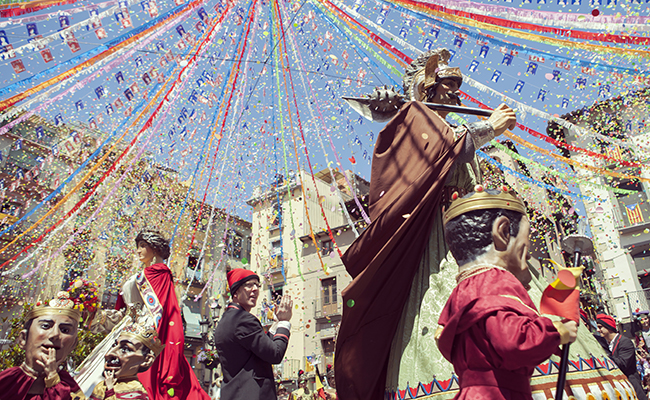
(327, 247)
(329, 291)
(275, 218)
(276, 247)
(191, 264)
(328, 352)
(11, 208)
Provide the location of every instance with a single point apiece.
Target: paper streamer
(520, 49)
(97, 54)
(531, 180)
(601, 22)
(504, 27)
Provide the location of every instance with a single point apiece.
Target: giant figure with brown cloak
(401, 268)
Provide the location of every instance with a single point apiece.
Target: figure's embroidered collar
(475, 270)
(29, 371)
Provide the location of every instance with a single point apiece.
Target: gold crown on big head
(147, 335)
(61, 304)
(506, 199)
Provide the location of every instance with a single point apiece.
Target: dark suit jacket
(624, 355)
(246, 354)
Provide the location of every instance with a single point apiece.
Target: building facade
(301, 226)
(617, 186)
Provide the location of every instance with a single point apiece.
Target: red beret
(606, 321)
(238, 277)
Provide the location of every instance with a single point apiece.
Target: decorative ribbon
(47, 16)
(570, 20)
(32, 46)
(531, 180)
(98, 53)
(147, 125)
(30, 7)
(83, 83)
(66, 181)
(513, 46)
(537, 165)
(464, 17)
(298, 56)
(283, 43)
(521, 106)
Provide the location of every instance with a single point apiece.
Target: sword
(385, 109)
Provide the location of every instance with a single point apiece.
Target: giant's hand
(48, 363)
(109, 379)
(502, 118)
(284, 310)
(568, 330)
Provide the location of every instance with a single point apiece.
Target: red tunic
(15, 383)
(494, 337)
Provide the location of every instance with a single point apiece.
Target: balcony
(634, 211)
(327, 310)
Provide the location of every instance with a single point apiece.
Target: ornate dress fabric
(152, 295)
(90, 372)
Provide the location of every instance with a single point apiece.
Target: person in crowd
(491, 330)
(245, 351)
(133, 352)
(642, 335)
(622, 352)
(148, 298)
(48, 337)
(303, 392)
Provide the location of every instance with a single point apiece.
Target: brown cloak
(412, 158)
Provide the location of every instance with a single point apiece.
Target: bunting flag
(634, 214)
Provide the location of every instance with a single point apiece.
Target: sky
(233, 93)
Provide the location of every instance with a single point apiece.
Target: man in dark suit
(622, 351)
(246, 353)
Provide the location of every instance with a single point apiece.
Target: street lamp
(216, 311)
(580, 245)
(205, 326)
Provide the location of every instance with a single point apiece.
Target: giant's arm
(521, 340)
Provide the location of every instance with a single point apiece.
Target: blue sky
(325, 59)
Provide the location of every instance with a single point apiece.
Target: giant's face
(47, 332)
(443, 90)
(145, 252)
(518, 254)
(126, 358)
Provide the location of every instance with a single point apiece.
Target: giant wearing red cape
(412, 157)
(495, 337)
(170, 376)
(15, 383)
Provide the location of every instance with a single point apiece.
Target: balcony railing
(324, 310)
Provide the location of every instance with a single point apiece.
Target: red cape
(412, 158)
(14, 384)
(170, 376)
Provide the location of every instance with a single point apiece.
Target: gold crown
(147, 335)
(437, 68)
(61, 304)
(482, 200)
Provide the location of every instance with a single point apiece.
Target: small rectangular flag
(634, 214)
